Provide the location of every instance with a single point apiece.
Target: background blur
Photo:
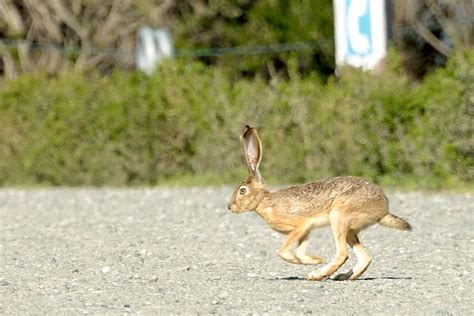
(74, 111)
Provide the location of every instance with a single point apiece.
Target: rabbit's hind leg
(340, 231)
(363, 259)
(303, 256)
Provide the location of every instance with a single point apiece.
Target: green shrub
(184, 123)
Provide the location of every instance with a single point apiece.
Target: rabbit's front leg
(300, 235)
(301, 254)
(285, 249)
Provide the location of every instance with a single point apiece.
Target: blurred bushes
(129, 129)
(101, 35)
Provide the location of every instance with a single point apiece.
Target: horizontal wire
(181, 53)
(197, 53)
(253, 50)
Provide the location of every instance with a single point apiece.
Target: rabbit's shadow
(296, 278)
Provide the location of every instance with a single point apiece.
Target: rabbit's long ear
(252, 149)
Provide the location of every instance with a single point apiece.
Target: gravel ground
(180, 251)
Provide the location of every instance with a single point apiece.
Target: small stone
(106, 269)
(144, 252)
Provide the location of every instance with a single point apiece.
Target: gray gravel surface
(180, 251)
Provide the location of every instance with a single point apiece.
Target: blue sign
(361, 32)
(359, 39)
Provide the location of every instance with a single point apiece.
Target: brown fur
(347, 204)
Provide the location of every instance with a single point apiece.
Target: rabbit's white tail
(393, 221)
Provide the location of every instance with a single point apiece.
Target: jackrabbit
(347, 204)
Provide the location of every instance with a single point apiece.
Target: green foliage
(226, 23)
(184, 123)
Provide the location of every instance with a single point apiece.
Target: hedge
(182, 125)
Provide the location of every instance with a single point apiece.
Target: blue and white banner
(361, 32)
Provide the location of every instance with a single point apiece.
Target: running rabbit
(347, 204)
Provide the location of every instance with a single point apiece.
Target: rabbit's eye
(243, 190)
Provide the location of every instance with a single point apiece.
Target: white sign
(361, 32)
(152, 47)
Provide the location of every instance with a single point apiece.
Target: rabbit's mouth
(234, 209)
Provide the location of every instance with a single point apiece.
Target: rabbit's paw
(309, 259)
(290, 257)
(343, 276)
(316, 276)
